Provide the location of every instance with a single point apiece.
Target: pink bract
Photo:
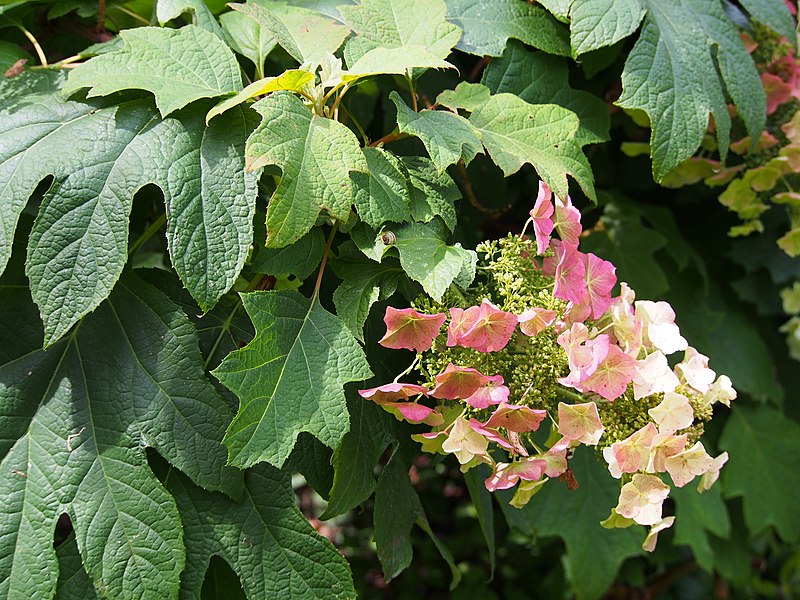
(568, 221)
(535, 320)
(494, 392)
(516, 418)
(491, 331)
(457, 383)
(612, 376)
(506, 475)
(542, 216)
(391, 392)
(600, 280)
(408, 329)
(461, 321)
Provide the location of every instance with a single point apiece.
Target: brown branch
(469, 192)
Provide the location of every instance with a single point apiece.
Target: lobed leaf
(79, 243)
(316, 156)
(515, 132)
(539, 78)
(488, 24)
(178, 66)
(76, 419)
(448, 137)
(290, 378)
(264, 538)
(673, 74)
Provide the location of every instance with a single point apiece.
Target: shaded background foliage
(738, 540)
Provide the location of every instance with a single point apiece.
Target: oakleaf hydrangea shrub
(538, 358)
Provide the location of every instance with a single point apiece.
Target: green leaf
(447, 136)
(74, 265)
(404, 27)
(167, 10)
(696, 514)
(247, 37)
(672, 75)
(289, 378)
(488, 24)
(354, 461)
(264, 538)
(393, 61)
(467, 96)
(515, 132)
(426, 257)
(624, 240)
(433, 194)
(774, 14)
(178, 66)
(10, 54)
(300, 259)
(316, 156)
(306, 35)
(484, 508)
(293, 80)
(397, 508)
(79, 416)
(539, 78)
(364, 282)
(764, 468)
(383, 192)
(575, 517)
(73, 582)
(558, 8)
(600, 23)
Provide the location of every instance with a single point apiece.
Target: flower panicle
(545, 342)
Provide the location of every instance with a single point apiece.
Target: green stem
(130, 13)
(408, 369)
(569, 395)
(36, 46)
(350, 116)
(413, 91)
(226, 324)
(148, 233)
(324, 261)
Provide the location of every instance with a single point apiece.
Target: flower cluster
(543, 320)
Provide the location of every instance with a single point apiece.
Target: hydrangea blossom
(596, 364)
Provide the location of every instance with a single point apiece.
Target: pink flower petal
(568, 221)
(542, 215)
(408, 329)
(414, 413)
(612, 376)
(491, 331)
(516, 418)
(535, 320)
(580, 422)
(641, 498)
(493, 392)
(458, 382)
(632, 454)
(507, 475)
(600, 280)
(570, 275)
(391, 392)
(461, 321)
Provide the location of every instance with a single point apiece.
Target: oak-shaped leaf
(178, 66)
(394, 30)
(488, 24)
(544, 135)
(290, 378)
(540, 78)
(687, 61)
(447, 136)
(600, 23)
(79, 243)
(307, 35)
(76, 420)
(590, 572)
(316, 156)
(264, 538)
(427, 258)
